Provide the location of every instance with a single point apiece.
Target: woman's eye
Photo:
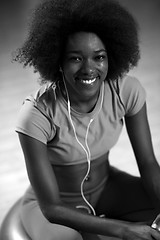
(75, 59)
(100, 57)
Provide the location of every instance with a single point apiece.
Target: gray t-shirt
(44, 116)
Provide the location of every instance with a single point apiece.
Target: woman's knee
(62, 233)
(39, 228)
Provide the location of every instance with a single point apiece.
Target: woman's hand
(140, 232)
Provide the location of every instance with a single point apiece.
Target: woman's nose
(88, 67)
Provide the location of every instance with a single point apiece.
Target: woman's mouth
(87, 81)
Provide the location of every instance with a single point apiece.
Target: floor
(16, 83)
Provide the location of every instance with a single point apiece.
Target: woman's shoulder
(131, 87)
(45, 93)
(127, 85)
(44, 98)
(129, 94)
(35, 118)
(132, 93)
(129, 81)
(42, 101)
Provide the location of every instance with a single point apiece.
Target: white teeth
(88, 81)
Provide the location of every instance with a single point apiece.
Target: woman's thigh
(125, 198)
(39, 228)
(89, 236)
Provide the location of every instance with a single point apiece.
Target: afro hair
(54, 20)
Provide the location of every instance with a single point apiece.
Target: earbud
(91, 120)
(60, 69)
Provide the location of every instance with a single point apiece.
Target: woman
(83, 51)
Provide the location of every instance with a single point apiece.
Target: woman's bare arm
(140, 137)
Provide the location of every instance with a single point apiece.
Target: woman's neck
(78, 104)
(84, 107)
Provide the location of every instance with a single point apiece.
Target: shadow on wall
(13, 22)
(147, 13)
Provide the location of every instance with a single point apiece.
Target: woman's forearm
(85, 222)
(151, 180)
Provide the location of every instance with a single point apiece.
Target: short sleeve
(32, 122)
(133, 95)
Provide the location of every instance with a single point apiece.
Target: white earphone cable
(88, 154)
(86, 150)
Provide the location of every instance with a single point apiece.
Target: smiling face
(85, 66)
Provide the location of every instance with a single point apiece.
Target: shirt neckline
(80, 114)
